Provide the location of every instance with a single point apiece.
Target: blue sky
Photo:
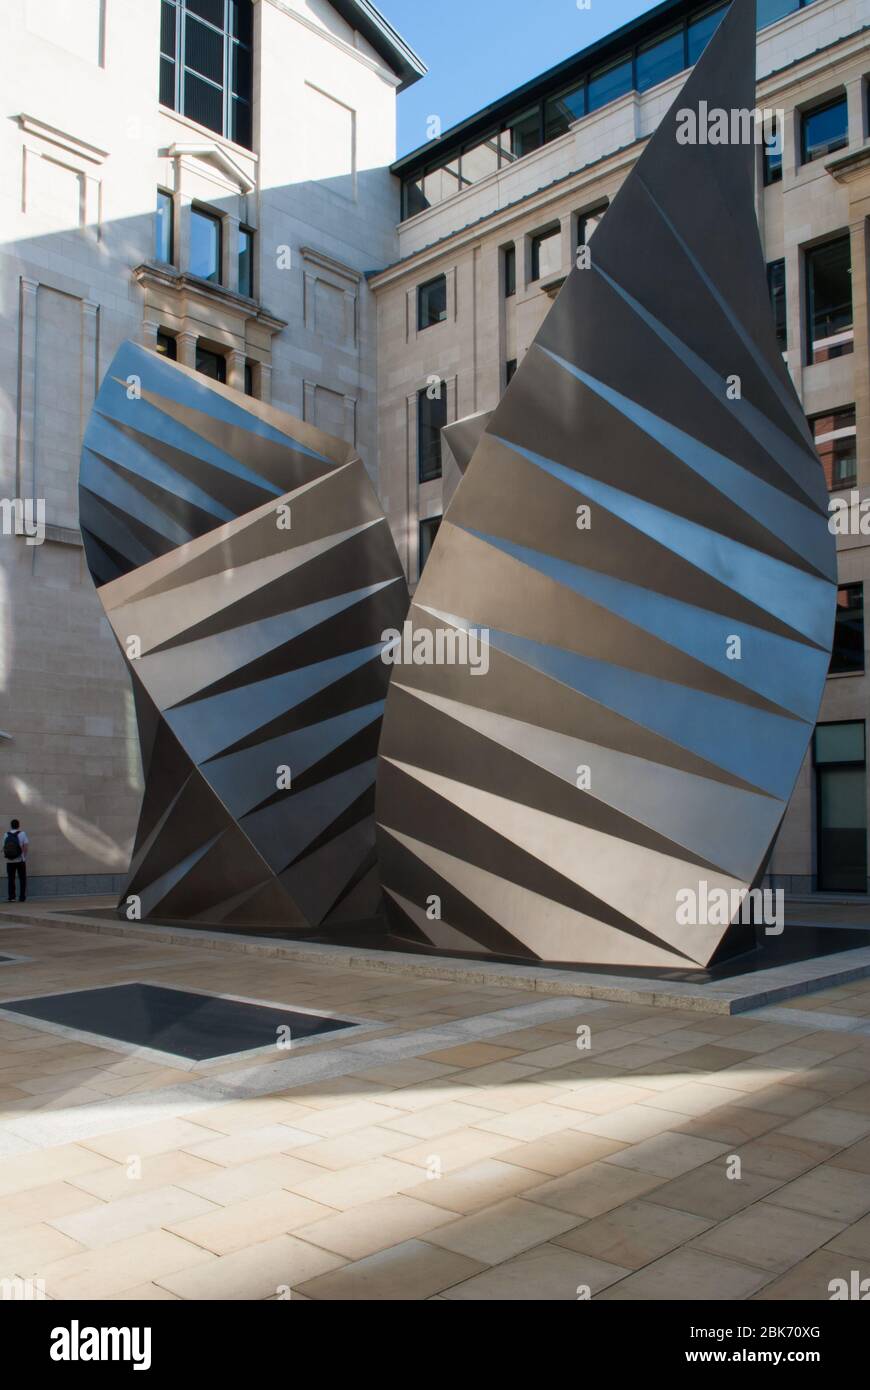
(477, 50)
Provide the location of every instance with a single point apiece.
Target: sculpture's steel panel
(248, 573)
(642, 536)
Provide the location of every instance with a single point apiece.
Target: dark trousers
(20, 868)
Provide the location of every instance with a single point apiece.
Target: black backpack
(12, 845)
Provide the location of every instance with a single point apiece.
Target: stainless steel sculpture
(641, 535)
(248, 573)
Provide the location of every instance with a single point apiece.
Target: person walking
(15, 844)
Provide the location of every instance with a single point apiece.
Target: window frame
(209, 215)
(849, 670)
(810, 341)
(169, 226)
(232, 96)
(245, 230)
(554, 230)
(816, 109)
(423, 524)
(435, 472)
(421, 290)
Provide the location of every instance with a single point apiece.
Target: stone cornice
(178, 283)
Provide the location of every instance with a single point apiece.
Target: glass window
(163, 240)
(829, 300)
(166, 345)
(480, 159)
(428, 532)
(848, 654)
(510, 368)
(212, 364)
(432, 302)
(521, 135)
(431, 419)
(246, 262)
(415, 196)
(510, 271)
(206, 63)
(206, 244)
(778, 302)
(659, 60)
(609, 83)
(546, 253)
(701, 31)
(835, 436)
(772, 153)
(249, 379)
(824, 130)
(769, 11)
(841, 808)
(441, 183)
(560, 112)
(588, 223)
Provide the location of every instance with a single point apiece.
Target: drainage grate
(199, 1027)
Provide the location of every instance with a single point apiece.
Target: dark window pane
(510, 271)
(167, 83)
(776, 286)
(769, 11)
(659, 60)
(211, 364)
(163, 249)
(546, 253)
(432, 302)
(212, 10)
(588, 224)
(241, 127)
(246, 262)
(829, 300)
(510, 368)
(242, 20)
(839, 743)
(428, 532)
(824, 130)
(836, 445)
(167, 29)
(415, 197)
(480, 159)
(204, 50)
(772, 153)
(431, 419)
(842, 830)
(848, 653)
(609, 83)
(249, 379)
(240, 71)
(167, 346)
(701, 32)
(521, 135)
(205, 245)
(562, 111)
(203, 103)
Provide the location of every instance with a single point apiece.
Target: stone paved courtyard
(457, 1144)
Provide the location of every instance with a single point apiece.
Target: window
(546, 253)
(824, 129)
(431, 419)
(432, 302)
(847, 657)
(163, 239)
(609, 83)
(658, 60)
(413, 197)
(701, 31)
(562, 111)
(510, 368)
(479, 159)
(829, 300)
(166, 345)
(249, 379)
(441, 183)
(212, 364)
(246, 262)
(836, 444)
(509, 263)
(772, 153)
(206, 245)
(841, 807)
(587, 224)
(778, 303)
(769, 11)
(206, 63)
(520, 136)
(426, 540)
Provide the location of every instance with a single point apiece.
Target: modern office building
(217, 179)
